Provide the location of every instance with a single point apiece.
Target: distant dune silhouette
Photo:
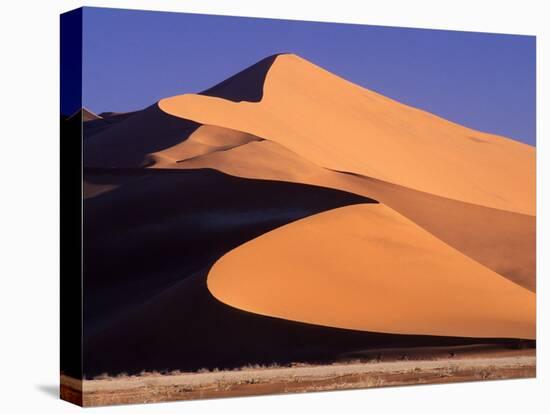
(85, 115)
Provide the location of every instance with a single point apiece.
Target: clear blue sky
(132, 59)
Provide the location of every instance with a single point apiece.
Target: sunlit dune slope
(204, 140)
(500, 240)
(367, 267)
(339, 125)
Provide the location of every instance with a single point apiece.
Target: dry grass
(273, 379)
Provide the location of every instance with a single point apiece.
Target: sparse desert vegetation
(454, 366)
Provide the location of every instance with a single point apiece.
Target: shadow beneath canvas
(51, 390)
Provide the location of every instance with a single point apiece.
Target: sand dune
(91, 189)
(341, 126)
(153, 139)
(85, 115)
(503, 241)
(111, 116)
(204, 140)
(233, 89)
(130, 142)
(186, 328)
(328, 218)
(500, 240)
(158, 227)
(366, 267)
(145, 270)
(105, 121)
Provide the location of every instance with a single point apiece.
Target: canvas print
(260, 206)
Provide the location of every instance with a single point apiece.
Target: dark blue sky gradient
(484, 81)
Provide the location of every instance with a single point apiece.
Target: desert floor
(376, 368)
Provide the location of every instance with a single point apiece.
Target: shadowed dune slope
(339, 125)
(157, 227)
(186, 328)
(106, 120)
(153, 139)
(367, 267)
(145, 274)
(500, 240)
(130, 142)
(247, 85)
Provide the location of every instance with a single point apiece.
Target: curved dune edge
(500, 240)
(342, 126)
(368, 268)
(206, 139)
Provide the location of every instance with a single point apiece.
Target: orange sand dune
(368, 268)
(204, 140)
(339, 125)
(447, 256)
(503, 241)
(500, 240)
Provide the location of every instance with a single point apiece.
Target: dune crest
(342, 126)
(366, 267)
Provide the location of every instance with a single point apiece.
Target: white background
(29, 215)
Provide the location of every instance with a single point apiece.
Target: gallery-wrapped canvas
(258, 206)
